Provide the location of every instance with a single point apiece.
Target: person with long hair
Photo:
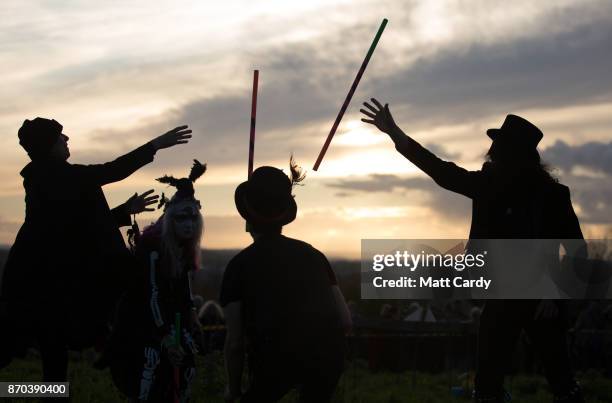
(156, 331)
(513, 197)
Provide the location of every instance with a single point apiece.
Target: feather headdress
(184, 186)
(297, 173)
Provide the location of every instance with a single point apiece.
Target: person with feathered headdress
(281, 300)
(144, 353)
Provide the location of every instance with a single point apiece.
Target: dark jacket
(509, 205)
(285, 288)
(62, 266)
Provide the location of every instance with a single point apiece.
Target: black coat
(62, 268)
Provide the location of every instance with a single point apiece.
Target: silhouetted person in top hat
(69, 249)
(513, 196)
(282, 304)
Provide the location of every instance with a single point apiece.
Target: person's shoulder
(555, 194)
(239, 259)
(488, 170)
(561, 188)
(306, 247)
(557, 189)
(297, 243)
(76, 172)
(79, 169)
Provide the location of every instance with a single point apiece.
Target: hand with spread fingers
(178, 135)
(379, 116)
(139, 203)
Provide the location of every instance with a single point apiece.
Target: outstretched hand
(178, 135)
(139, 203)
(379, 116)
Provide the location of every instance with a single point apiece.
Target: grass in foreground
(358, 384)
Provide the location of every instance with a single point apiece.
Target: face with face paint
(185, 218)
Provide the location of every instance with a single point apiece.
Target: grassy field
(358, 384)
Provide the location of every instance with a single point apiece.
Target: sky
(118, 73)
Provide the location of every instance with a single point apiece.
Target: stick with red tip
(252, 135)
(253, 116)
(350, 94)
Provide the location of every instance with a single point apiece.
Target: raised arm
(444, 173)
(129, 163)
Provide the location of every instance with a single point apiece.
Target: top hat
(518, 130)
(266, 199)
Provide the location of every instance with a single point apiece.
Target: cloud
(303, 84)
(448, 204)
(303, 81)
(591, 194)
(587, 169)
(441, 65)
(593, 155)
(455, 85)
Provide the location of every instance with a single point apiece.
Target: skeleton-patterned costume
(146, 316)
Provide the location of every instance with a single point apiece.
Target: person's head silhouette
(515, 143)
(43, 139)
(265, 200)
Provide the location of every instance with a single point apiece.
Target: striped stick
(252, 135)
(350, 94)
(253, 117)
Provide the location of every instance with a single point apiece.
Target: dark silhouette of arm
(445, 174)
(129, 163)
(121, 167)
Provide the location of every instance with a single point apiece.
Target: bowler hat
(518, 130)
(266, 199)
